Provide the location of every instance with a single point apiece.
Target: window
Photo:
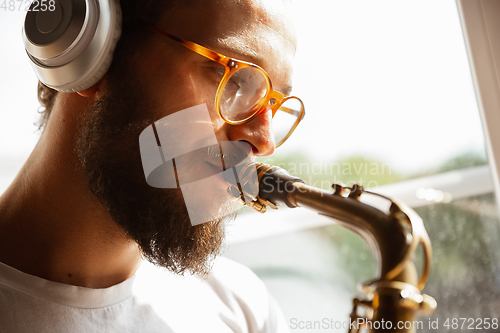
(395, 110)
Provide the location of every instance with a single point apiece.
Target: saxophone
(393, 301)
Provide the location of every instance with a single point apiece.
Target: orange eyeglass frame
(231, 66)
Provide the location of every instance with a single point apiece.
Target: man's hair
(134, 12)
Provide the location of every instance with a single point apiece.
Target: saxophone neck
(393, 235)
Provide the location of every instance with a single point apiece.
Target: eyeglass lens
(285, 119)
(241, 96)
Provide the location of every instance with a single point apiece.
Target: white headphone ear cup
(104, 62)
(78, 53)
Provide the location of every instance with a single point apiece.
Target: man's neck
(51, 226)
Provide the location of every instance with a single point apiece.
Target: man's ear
(89, 92)
(92, 91)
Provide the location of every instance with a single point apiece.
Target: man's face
(245, 30)
(165, 78)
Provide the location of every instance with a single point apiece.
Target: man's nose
(258, 132)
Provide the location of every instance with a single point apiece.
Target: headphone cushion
(105, 61)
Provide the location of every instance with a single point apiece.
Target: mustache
(230, 153)
(200, 163)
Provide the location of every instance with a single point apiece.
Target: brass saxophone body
(393, 301)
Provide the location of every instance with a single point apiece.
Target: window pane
(313, 274)
(465, 278)
(387, 80)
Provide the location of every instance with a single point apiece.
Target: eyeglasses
(245, 91)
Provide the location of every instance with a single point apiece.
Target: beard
(156, 219)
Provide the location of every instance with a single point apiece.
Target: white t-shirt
(232, 299)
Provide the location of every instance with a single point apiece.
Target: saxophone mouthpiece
(272, 184)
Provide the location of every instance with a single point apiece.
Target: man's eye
(218, 72)
(233, 83)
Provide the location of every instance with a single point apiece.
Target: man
(80, 213)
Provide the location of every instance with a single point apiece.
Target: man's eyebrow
(234, 49)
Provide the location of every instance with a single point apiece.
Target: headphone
(71, 43)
